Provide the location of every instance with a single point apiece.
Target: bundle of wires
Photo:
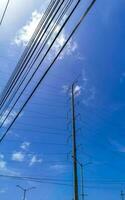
(38, 45)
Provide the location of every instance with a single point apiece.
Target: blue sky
(37, 143)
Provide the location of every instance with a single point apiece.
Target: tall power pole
(74, 146)
(122, 195)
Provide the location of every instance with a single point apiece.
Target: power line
(40, 62)
(50, 66)
(28, 48)
(38, 180)
(45, 41)
(53, 14)
(2, 18)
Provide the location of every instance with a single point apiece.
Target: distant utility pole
(74, 146)
(25, 191)
(122, 195)
(82, 178)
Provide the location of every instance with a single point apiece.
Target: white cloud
(22, 156)
(70, 48)
(4, 168)
(1, 156)
(65, 88)
(24, 34)
(25, 145)
(77, 89)
(18, 156)
(2, 162)
(58, 168)
(34, 160)
(90, 94)
(85, 89)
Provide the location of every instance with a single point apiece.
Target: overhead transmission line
(5, 10)
(67, 19)
(49, 22)
(41, 34)
(53, 62)
(64, 182)
(26, 51)
(39, 180)
(25, 75)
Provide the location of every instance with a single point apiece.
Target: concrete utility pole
(25, 191)
(122, 195)
(74, 147)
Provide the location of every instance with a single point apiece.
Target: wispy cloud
(90, 94)
(59, 168)
(23, 156)
(4, 169)
(2, 191)
(18, 156)
(118, 146)
(67, 89)
(24, 34)
(35, 160)
(25, 145)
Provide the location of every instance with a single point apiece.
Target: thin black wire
(42, 132)
(36, 45)
(38, 142)
(30, 67)
(43, 22)
(49, 68)
(62, 182)
(40, 63)
(48, 181)
(42, 154)
(41, 127)
(2, 18)
(101, 117)
(45, 116)
(27, 50)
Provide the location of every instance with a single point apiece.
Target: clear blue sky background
(41, 132)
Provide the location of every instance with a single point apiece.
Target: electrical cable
(30, 67)
(2, 18)
(39, 30)
(50, 66)
(29, 45)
